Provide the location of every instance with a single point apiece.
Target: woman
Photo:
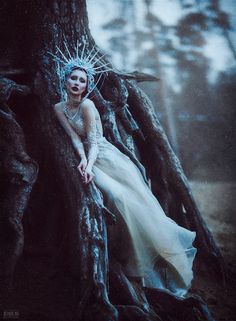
(155, 241)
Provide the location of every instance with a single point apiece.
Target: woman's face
(76, 83)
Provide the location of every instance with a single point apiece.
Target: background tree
(66, 252)
(188, 49)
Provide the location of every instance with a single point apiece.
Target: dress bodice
(87, 124)
(87, 130)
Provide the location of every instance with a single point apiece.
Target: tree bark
(18, 173)
(66, 250)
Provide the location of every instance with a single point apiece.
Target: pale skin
(76, 85)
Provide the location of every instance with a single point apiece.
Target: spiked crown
(90, 61)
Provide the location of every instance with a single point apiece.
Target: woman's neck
(73, 102)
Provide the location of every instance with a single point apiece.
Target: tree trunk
(66, 252)
(18, 173)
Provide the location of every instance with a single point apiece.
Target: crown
(91, 61)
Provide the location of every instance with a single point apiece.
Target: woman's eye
(82, 80)
(73, 78)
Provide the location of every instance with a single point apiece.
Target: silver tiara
(91, 62)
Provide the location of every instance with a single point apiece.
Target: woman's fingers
(85, 177)
(80, 169)
(90, 177)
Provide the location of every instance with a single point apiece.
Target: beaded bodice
(87, 130)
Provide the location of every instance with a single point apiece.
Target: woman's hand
(82, 165)
(88, 175)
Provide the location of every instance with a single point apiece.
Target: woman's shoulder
(87, 103)
(88, 106)
(59, 106)
(89, 109)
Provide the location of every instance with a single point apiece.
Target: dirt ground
(216, 203)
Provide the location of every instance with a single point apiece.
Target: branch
(9, 87)
(138, 76)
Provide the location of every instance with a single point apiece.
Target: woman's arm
(90, 125)
(76, 141)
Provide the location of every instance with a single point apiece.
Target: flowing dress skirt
(154, 247)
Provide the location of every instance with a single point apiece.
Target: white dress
(151, 245)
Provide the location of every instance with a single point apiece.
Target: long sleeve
(90, 125)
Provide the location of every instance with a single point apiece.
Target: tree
(66, 249)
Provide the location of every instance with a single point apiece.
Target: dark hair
(78, 68)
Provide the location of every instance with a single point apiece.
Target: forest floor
(216, 203)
